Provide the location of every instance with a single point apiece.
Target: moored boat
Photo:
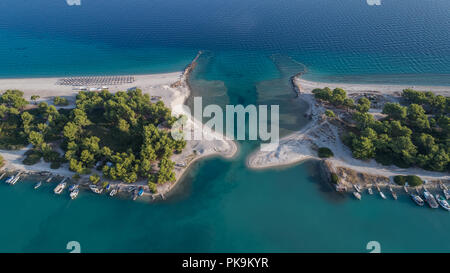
(405, 188)
(9, 179)
(73, 187)
(357, 195)
(416, 198)
(382, 195)
(370, 190)
(446, 194)
(59, 189)
(443, 202)
(14, 181)
(394, 195)
(140, 192)
(357, 187)
(95, 189)
(113, 192)
(38, 185)
(73, 194)
(430, 199)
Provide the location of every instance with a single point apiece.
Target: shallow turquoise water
(251, 50)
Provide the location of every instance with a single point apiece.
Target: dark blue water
(251, 49)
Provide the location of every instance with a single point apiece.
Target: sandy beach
(319, 132)
(171, 88)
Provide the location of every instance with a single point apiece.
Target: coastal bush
(153, 187)
(2, 161)
(60, 101)
(400, 180)
(94, 178)
(32, 157)
(325, 152)
(55, 165)
(414, 180)
(330, 114)
(334, 178)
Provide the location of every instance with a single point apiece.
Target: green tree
(394, 111)
(363, 105)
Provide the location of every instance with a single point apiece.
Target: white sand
(154, 85)
(320, 133)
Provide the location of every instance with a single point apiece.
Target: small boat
(15, 179)
(394, 195)
(1, 176)
(108, 187)
(357, 195)
(382, 195)
(73, 187)
(49, 179)
(406, 189)
(95, 189)
(357, 187)
(9, 179)
(443, 202)
(378, 187)
(61, 186)
(73, 194)
(135, 196)
(430, 199)
(446, 194)
(38, 185)
(370, 190)
(141, 192)
(416, 198)
(113, 192)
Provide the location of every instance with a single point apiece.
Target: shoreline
(318, 132)
(172, 88)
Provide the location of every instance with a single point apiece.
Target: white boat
(49, 179)
(382, 195)
(430, 199)
(406, 189)
(95, 189)
(9, 179)
(443, 202)
(357, 195)
(113, 192)
(394, 195)
(446, 194)
(15, 179)
(417, 199)
(73, 194)
(38, 185)
(61, 186)
(73, 187)
(370, 190)
(357, 187)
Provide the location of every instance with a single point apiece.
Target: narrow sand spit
(321, 133)
(171, 88)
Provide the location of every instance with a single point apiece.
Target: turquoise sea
(251, 48)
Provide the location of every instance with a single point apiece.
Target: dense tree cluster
(411, 135)
(123, 134)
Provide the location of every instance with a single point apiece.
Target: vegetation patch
(325, 152)
(415, 134)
